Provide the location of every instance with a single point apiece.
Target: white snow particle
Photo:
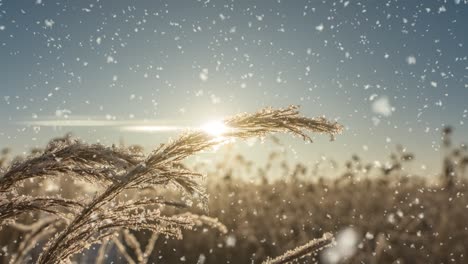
(62, 113)
(199, 93)
(382, 106)
(215, 99)
(369, 236)
(319, 27)
(411, 60)
(204, 75)
(49, 23)
(110, 59)
(231, 241)
(346, 245)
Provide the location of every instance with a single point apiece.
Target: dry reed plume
(105, 217)
(302, 251)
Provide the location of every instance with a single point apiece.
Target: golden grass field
(83, 203)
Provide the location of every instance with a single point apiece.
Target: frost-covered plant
(310, 248)
(118, 170)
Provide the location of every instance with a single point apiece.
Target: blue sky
(390, 71)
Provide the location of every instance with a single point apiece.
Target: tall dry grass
(81, 221)
(395, 215)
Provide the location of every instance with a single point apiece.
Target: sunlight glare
(215, 128)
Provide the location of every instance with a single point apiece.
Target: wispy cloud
(148, 126)
(153, 128)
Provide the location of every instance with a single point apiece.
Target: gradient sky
(390, 71)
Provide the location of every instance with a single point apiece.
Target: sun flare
(215, 128)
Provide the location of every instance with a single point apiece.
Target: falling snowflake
(110, 59)
(204, 75)
(411, 60)
(49, 23)
(319, 27)
(382, 106)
